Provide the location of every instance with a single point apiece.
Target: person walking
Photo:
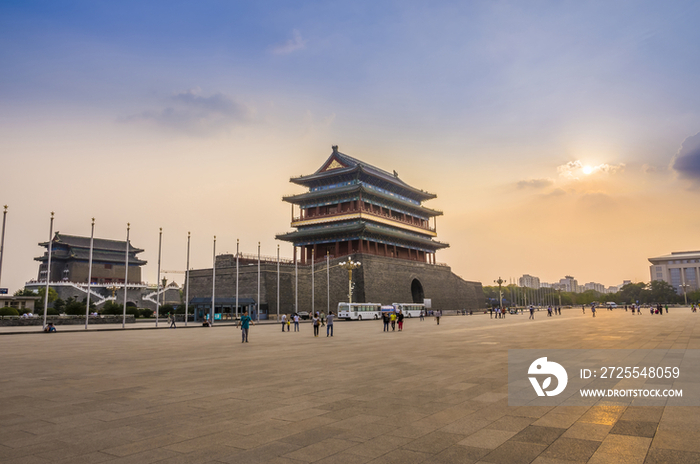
(323, 319)
(171, 319)
(393, 321)
(532, 312)
(329, 324)
(316, 320)
(385, 320)
(438, 313)
(296, 322)
(284, 321)
(245, 326)
(593, 309)
(400, 319)
(422, 315)
(549, 311)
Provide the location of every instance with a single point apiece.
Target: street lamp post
(350, 265)
(500, 283)
(684, 286)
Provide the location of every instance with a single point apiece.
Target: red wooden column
(303, 254)
(386, 250)
(361, 245)
(337, 249)
(315, 255)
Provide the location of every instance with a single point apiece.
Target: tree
(74, 307)
(661, 291)
(42, 292)
(59, 305)
(25, 292)
(112, 308)
(631, 293)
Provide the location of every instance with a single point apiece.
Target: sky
(561, 138)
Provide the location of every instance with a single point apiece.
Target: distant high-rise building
(568, 284)
(600, 288)
(678, 269)
(529, 281)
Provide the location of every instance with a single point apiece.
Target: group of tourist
(392, 318)
(318, 320)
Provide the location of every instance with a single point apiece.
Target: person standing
(422, 315)
(400, 319)
(245, 326)
(296, 322)
(329, 324)
(284, 321)
(393, 321)
(385, 319)
(438, 313)
(593, 309)
(316, 320)
(532, 312)
(323, 319)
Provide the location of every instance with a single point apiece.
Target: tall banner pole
(313, 283)
(237, 244)
(126, 274)
(213, 285)
(328, 280)
(296, 285)
(187, 280)
(48, 271)
(87, 304)
(278, 283)
(2, 241)
(160, 243)
(258, 302)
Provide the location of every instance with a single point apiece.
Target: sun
(587, 170)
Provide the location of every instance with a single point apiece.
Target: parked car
(303, 315)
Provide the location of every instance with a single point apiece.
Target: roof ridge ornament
(335, 148)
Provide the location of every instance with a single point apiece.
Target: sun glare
(587, 170)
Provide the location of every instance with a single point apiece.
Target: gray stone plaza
(434, 394)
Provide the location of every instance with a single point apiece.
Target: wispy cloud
(567, 170)
(197, 114)
(535, 183)
(573, 169)
(687, 161)
(291, 45)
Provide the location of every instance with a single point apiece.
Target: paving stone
(198, 395)
(512, 452)
(571, 449)
(538, 435)
(634, 428)
(663, 456)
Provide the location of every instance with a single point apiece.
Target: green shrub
(112, 308)
(145, 312)
(8, 311)
(51, 312)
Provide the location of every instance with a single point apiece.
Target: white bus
(409, 309)
(359, 311)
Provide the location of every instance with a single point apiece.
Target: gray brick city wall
(379, 280)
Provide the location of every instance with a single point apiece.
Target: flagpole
(328, 281)
(213, 285)
(278, 283)
(258, 302)
(2, 241)
(187, 279)
(160, 243)
(126, 274)
(313, 283)
(48, 271)
(296, 284)
(237, 244)
(87, 304)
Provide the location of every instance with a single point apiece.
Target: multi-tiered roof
(352, 206)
